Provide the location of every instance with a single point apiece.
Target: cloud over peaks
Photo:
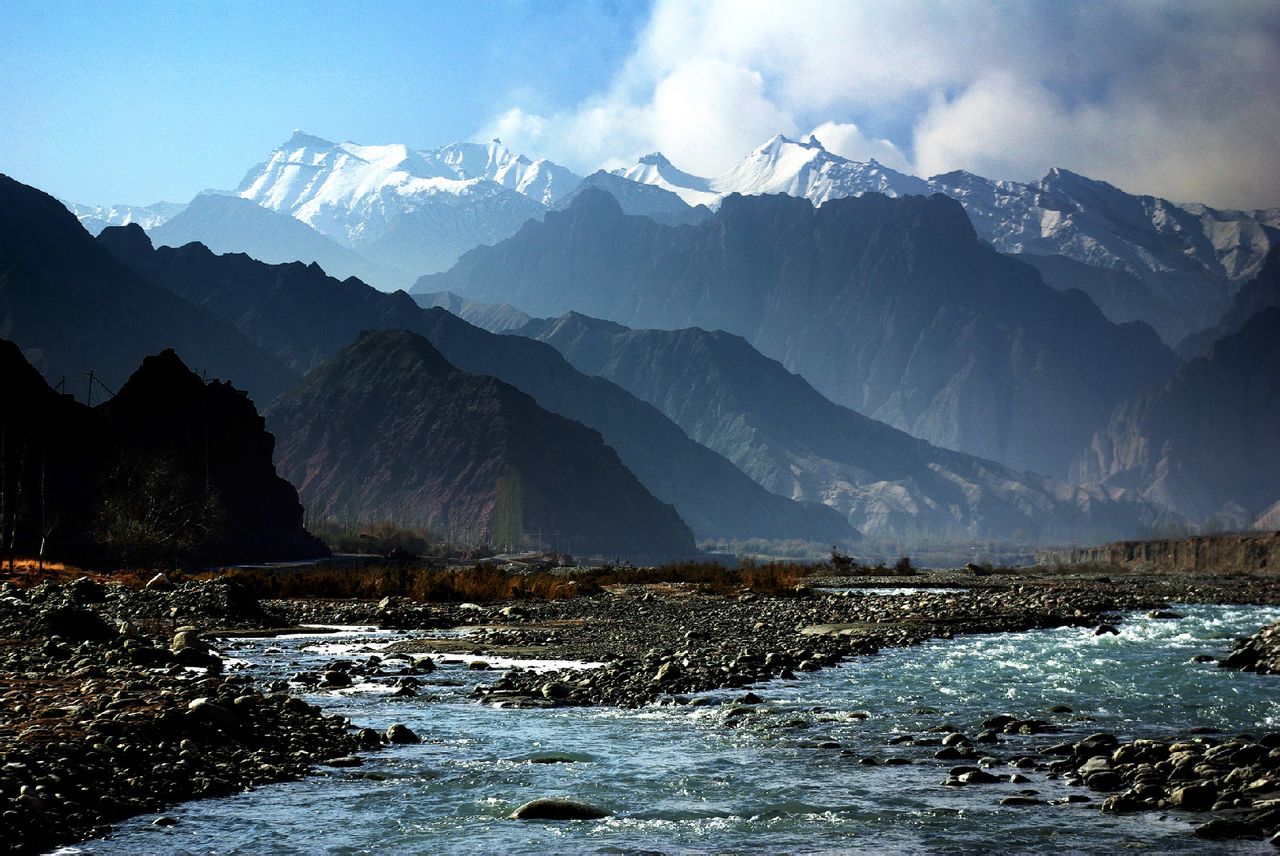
(1177, 99)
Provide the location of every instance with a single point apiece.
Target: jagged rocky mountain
(791, 440)
(893, 307)
(304, 317)
(171, 468)
(1207, 442)
(73, 308)
(230, 224)
(402, 208)
(95, 218)
(388, 430)
(1190, 257)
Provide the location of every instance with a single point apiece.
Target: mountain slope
(305, 317)
(390, 429)
(1207, 442)
(73, 308)
(790, 439)
(229, 224)
(1260, 293)
(890, 306)
(1190, 257)
(494, 317)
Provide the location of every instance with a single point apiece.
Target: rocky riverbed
(114, 704)
(102, 719)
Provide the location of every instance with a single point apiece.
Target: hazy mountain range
(304, 317)
(402, 212)
(388, 430)
(893, 307)
(804, 348)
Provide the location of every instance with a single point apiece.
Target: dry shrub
(487, 584)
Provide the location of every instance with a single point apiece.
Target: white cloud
(847, 140)
(1174, 98)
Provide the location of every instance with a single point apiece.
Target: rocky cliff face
(305, 317)
(1207, 442)
(389, 431)
(171, 468)
(73, 308)
(785, 435)
(1223, 554)
(893, 307)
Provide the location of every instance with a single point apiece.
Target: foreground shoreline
(113, 726)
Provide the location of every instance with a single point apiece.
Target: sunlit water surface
(681, 779)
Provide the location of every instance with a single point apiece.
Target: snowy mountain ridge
(95, 218)
(1190, 256)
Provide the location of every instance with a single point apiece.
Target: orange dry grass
(27, 572)
(486, 584)
(478, 584)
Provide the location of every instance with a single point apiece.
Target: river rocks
(558, 808)
(1257, 653)
(98, 724)
(1195, 797)
(401, 734)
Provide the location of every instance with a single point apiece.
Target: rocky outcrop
(171, 469)
(1215, 554)
(390, 431)
(893, 307)
(1206, 443)
(73, 308)
(305, 317)
(793, 441)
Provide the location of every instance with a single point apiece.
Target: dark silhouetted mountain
(784, 434)
(73, 308)
(389, 429)
(1120, 295)
(305, 317)
(646, 200)
(892, 307)
(229, 224)
(494, 317)
(169, 458)
(1207, 442)
(1260, 293)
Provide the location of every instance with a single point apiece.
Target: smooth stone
(401, 734)
(557, 808)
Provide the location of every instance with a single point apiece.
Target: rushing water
(694, 779)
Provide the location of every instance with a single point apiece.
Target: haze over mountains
(402, 212)
(892, 307)
(388, 430)
(1190, 257)
(803, 348)
(796, 443)
(305, 317)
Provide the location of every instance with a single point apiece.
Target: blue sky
(140, 101)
